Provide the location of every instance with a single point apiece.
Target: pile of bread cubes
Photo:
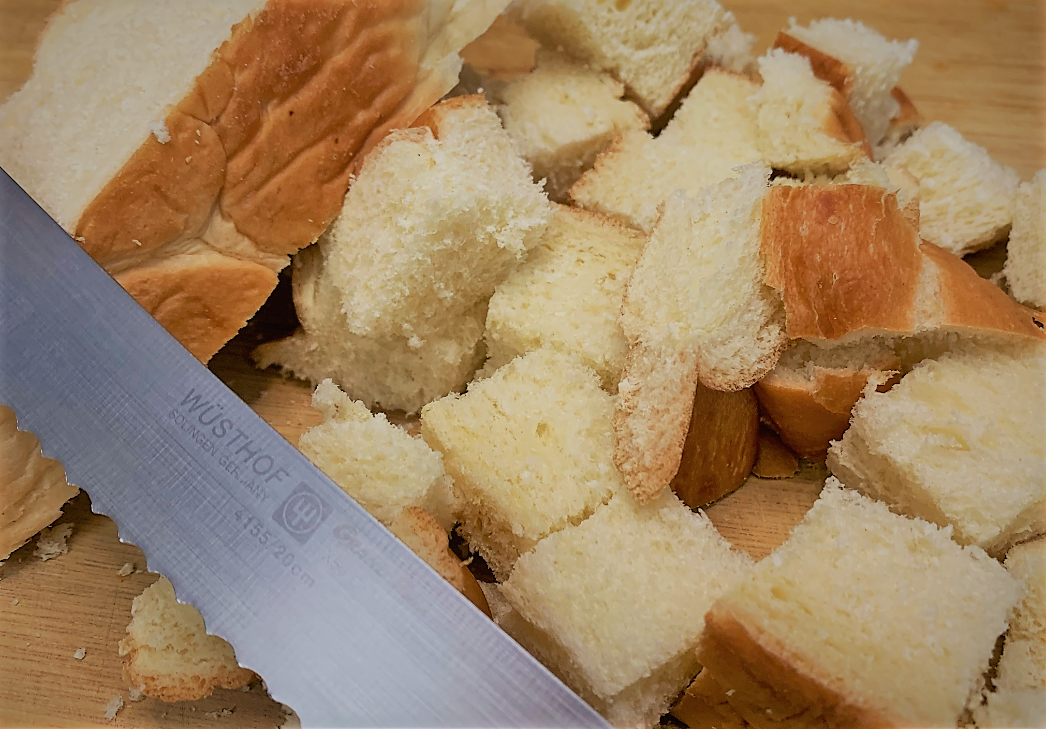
(594, 281)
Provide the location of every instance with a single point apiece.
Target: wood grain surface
(980, 67)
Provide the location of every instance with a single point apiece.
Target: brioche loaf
(208, 144)
(530, 451)
(562, 115)
(614, 605)
(859, 62)
(862, 618)
(957, 442)
(1025, 267)
(567, 295)
(653, 47)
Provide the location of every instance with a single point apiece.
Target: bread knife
(345, 624)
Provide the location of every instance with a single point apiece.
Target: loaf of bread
(653, 47)
(614, 605)
(168, 653)
(695, 310)
(530, 451)
(862, 618)
(190, 151)
(32, 488)
(805, 125)
(713, 132)
(567, 295)
(562, 115)
(965, 198)
(1019, 698)
(863, 65)
(447, 210)
(957, 442)
(1025, 267)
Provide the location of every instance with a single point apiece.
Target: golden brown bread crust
(774, 459)
(32, 488)
(843, 257)
(720, 446)
(906, 120)
(770, 688)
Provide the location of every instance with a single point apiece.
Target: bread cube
(653, 47)
(862, 618)
(561, 115)
(966, 198)
(957, 442)
(614, 605)
(713, 132)
(530, 451)
(567, 295)
(1025, 268)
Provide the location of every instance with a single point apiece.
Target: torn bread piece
(695, 309)
(957, 442)
(614, 605)
(816, 634)
(239, 125)
(567, 295)
(731, 49)
(653, 47)
(530, 452)
(863, 65)
(32, 488)
(168, 652)
(966, 198)
(1025, 268)
(713, 132)
(562, 115)
(805, 124)
(1019, 698)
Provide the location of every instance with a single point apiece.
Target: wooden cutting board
(980, 68)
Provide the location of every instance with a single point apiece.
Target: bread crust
(774, 459)
(839, 74)
(770, 688)
(844, 258)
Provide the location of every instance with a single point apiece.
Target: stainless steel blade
(342, 621)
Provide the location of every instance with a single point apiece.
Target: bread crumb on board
(127, 569)
(136, 693)
(80, 653)
(52, 542)
(219, 713)
(113, 707)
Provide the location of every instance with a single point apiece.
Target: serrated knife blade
(342, 621)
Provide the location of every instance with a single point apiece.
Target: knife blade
(345, 624)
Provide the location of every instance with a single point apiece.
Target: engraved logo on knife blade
(301, 513)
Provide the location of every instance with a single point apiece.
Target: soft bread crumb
(126, 570)
(113, 708)
(159, 130)
(80, 653)
(52, 542)
(137, 693)
(219, 713)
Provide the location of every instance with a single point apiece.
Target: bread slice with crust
(653, 47)
(862, 618)
(239, 124)
(1025, 268)
(863, 65)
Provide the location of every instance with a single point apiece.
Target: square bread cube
(959, 441)
(862, 618)
(530, 450)
(567, 295)
(614, 605)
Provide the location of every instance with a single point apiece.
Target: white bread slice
(529, 450)
(859, 62)
(653, 47)
(375, 462)
(713, 132)
(862, 618)
(562, 115)
(965, 198)
(168, 653)
(1025, 268)
(191, 150)
(805, 125)
(1019, 698)
(695, 309)
(32, 488)
(957, 442)
(614, 605)
(567, 295)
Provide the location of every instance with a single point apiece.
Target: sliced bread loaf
(1025, 267)
(862, 618)
(190, 150)
(614, 605)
